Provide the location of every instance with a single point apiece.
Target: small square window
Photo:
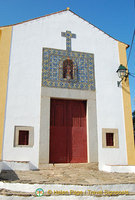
(109, 139)
(24, 136)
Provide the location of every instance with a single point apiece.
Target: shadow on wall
(8, 175)
(126, 90)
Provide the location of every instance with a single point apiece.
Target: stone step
(45, 166)
(67, 165)
(75, 174)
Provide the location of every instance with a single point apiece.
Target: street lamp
(122, 73)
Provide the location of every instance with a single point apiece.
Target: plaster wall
(24, 84)
(5, 41)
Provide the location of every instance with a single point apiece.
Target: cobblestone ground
(75, 174)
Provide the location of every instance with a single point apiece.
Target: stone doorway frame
(92, 138)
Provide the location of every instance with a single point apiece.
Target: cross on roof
(68, 36)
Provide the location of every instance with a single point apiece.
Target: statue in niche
(68, 69)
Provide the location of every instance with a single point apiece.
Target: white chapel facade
(60, 101)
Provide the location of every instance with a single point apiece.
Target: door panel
(68, 140)
(58, 147)
(78, 147)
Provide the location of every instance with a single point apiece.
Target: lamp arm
(131, 74)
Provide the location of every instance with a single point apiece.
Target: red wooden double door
(68, 138)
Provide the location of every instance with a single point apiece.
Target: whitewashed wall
(24, 85)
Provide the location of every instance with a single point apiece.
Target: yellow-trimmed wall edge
(5, 42)
(127, 109)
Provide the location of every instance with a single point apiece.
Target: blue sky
(115, 17)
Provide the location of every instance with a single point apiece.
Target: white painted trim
(119, 169)
(131, 197)
(32, 187)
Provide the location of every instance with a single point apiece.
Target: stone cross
(68, 36)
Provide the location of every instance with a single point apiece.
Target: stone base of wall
(16, 165)
(117, 168)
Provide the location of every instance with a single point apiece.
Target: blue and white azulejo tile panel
(52, 71)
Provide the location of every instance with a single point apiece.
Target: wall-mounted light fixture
(122, 73)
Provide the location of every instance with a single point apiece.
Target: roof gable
(67, 10)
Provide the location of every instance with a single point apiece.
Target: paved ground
(75, 174)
